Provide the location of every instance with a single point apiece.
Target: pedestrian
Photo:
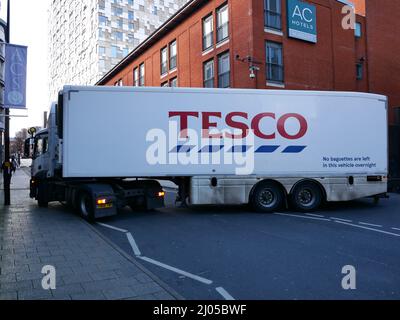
(7, 168)
(14, 163)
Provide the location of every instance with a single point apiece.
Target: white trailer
(264, 147)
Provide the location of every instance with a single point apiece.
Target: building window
(119, 83)
(359, 71)
(357, 31)
(164, 61)
(117, 11)
(136, 77)
(117, 35)
(141, 75)
(272, 9)
(102, 50)
(222, 23)
(102, 20)
(130, 2)
(131, 15)
(114, 52)
(208, 75)
(224, 70)
(173, 82)
(208, 32)
(172, 55)
(164, 84)
(274, 60)
(120, 23)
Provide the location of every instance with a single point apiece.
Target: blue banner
(15, 76)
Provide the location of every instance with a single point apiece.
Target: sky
(29, 28)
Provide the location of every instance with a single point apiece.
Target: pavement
(87, 265)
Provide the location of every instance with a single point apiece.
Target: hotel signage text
(302, 20)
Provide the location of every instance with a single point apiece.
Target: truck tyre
(306, 196)
(85, 206)
(41, 196)
(267, 197)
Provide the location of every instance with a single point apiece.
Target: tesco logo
(243, 122)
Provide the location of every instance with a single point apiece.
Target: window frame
(172, 80)
(207, 18)
(171, 57)
(270, 65)
(221, 75)
(276, 14)
(142, 74)
(359, 71)
(136, 77)
(358, 30)
(164, 64)
(220, 27)
(211, 79)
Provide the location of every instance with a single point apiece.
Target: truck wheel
(267, 197)
(41, 196)
(306, 196)
(85, 206)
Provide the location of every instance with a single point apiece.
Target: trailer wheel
(85, 206)
(267, 197)
(306, 196)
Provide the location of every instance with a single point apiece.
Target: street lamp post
(7, 196)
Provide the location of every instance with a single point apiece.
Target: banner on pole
(15, 76)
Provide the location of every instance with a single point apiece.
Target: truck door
(41, 158)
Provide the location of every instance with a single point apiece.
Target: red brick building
(247, 44)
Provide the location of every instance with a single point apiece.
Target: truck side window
(41, 146)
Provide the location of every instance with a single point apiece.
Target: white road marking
(315, 215)
(133, 244)
(371, 229)
(224, 293)
(111, 227)
(176, 270)
(345, 220)
(398, 229)
(297, 216)
(371, 225)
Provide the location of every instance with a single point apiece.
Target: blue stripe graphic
(211, 149)
(267, 149)
(294, 149)
(182, 149)
(238, 149)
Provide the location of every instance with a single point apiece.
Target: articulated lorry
(109, 147)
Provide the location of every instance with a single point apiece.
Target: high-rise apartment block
(87, 38)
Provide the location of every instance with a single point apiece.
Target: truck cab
(92, 197)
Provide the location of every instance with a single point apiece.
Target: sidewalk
(87, 266)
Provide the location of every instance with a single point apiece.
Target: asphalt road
(235, 253)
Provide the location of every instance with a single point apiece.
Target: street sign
(302, 20)
(15, 76)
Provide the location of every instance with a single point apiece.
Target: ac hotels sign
(302, 20)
